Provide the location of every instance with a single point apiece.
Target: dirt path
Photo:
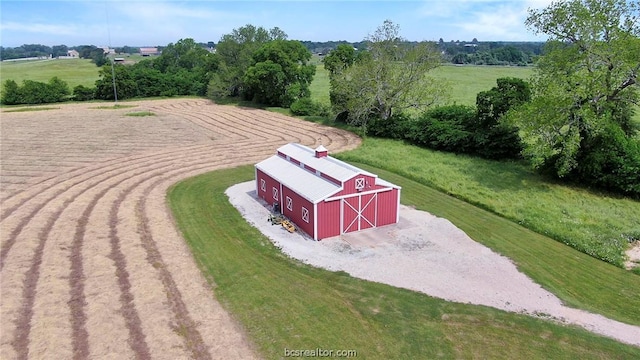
(91, 264)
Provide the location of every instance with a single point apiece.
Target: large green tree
(393, 76)
(235, 52)
(584, 89)
(340, 58)
(280, 73)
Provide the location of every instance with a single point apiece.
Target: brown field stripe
(80, 337)
(84, 172)
(25, 220)
(137, 340)
(76, 279)
(23, 322)
(8, 244)
(193, 338)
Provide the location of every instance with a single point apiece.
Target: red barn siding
(267, 194)
(388, 207)
(295, 214)
(350, 185)
(333, 180)
(328, 219)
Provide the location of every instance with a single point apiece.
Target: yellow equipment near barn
(288, 225)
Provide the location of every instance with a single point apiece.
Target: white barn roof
(335, 168)
(306, 184)
(309, 185)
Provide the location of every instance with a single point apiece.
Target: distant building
(148, 51)
(73, 54)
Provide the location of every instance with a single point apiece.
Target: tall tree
(235, 51)
(584, 86)
(392, 77)
(340, 58)
(280, 73)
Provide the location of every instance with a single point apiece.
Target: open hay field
(91, 264)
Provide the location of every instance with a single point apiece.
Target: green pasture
(283, 303)
(73, 71)
(594, 223)
(467, 81)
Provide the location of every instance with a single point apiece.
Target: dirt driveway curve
(91, 265)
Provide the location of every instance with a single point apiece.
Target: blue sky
(157, 22)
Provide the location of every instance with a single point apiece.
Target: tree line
(572, 121)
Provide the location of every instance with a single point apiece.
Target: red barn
(324, 196)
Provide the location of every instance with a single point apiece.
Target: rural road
(91, 264)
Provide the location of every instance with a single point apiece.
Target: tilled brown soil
(91, 264)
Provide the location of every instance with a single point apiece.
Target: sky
(138, 23)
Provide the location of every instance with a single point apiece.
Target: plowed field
(91, 264)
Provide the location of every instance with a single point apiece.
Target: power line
(113, 71)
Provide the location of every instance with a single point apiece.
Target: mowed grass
(284, 304)
(467, 81)
(72, 71)
(320, 86)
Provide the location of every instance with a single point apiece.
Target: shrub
(308, 107)
(34, 92)
(444, 128)
(11, 93)
(83, 93)
(395, 127)
(611, 162)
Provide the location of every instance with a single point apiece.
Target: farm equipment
(288, 225)
(275, 219)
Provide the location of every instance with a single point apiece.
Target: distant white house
(71, 54)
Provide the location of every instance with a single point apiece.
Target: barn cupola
(321, 152)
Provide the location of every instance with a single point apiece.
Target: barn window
(359, 183)
(305, 214)
(289, 204)
(263, 185)
(275, 194)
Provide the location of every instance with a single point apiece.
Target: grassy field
(73, 71)
(285, 304)
(465, 81)
(593, 223)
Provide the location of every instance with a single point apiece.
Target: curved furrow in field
(45, 193)
(93, 259)
(76, 276)
(19, 198)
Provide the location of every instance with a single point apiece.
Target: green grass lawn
(320, 85)
(467, 81)
(285, 304)
(72, 71)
